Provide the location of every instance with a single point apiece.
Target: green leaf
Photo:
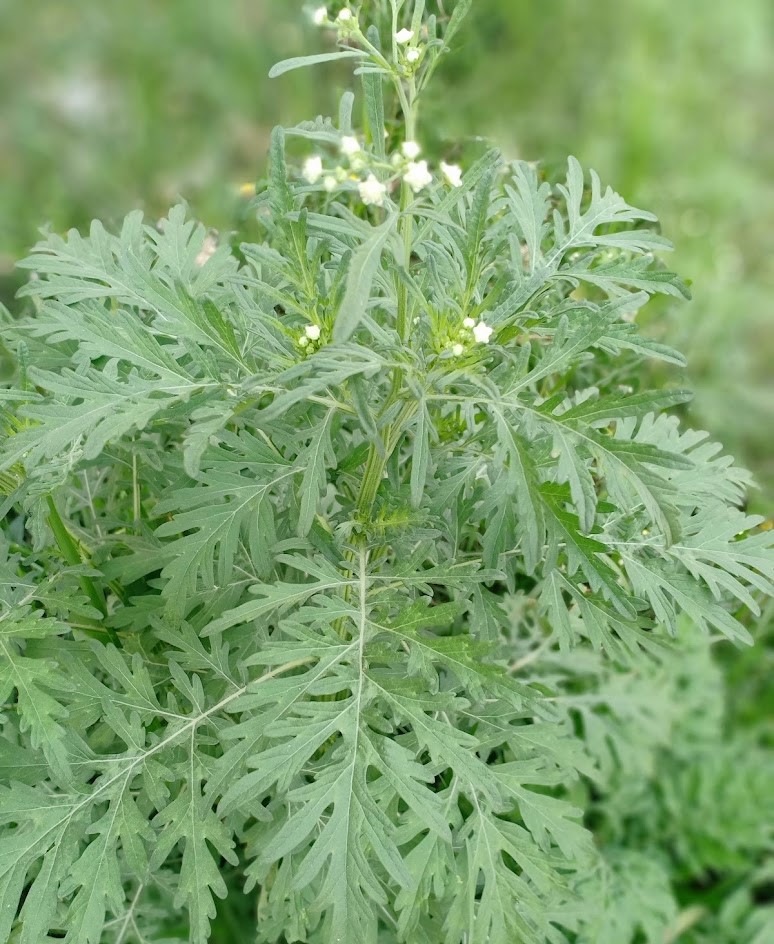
(190, 823)
(314, 478)
(209, 524)
(530, 203)
(89, 409)
(328, 368)
(497, 903)
(273, 597)
(420, 457)
(374, 101)
(362, 272)
(96, 880)
(461, 10)
(604, 208)
(301, 62)
(641, 901)
(280, 195)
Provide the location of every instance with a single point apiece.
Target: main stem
(377, 459)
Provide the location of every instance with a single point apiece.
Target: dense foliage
(354, 566)
(138, 103)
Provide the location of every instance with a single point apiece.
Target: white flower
(411, 150)
(468, 323)
(320, 16)
(312, 332)
(418, 176)
(303, 340)
(344, 16)
(458, 350)
(404, 36)
(372, 191)
(313, 169)
(453, 173)
(482, 333)
(412, 55)
(349, 145)
(330, 183)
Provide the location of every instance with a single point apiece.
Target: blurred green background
(106, 107)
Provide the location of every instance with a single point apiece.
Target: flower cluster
(409, 52)
(417, 173)
(375, 179)
(309, 338)
(345, 21)
(471, 331)
(362, 167)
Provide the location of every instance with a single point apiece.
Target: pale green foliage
(290, 643)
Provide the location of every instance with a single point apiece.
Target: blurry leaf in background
(135, 104)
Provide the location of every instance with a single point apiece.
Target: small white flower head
(411, 150)
(458, 350)
(482, 333)
(312, 332)
(349, 145)
(313, 169)
(404, 36)
(330, 183)
(303, 340)
(452, 173)
(320, 16)
(418, 176)
(345, 16)
(413, 55)
(469, 323)
(372, 191)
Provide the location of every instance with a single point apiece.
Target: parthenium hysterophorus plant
(323, 557)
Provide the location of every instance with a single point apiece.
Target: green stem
(377, 462)
(72, 555)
